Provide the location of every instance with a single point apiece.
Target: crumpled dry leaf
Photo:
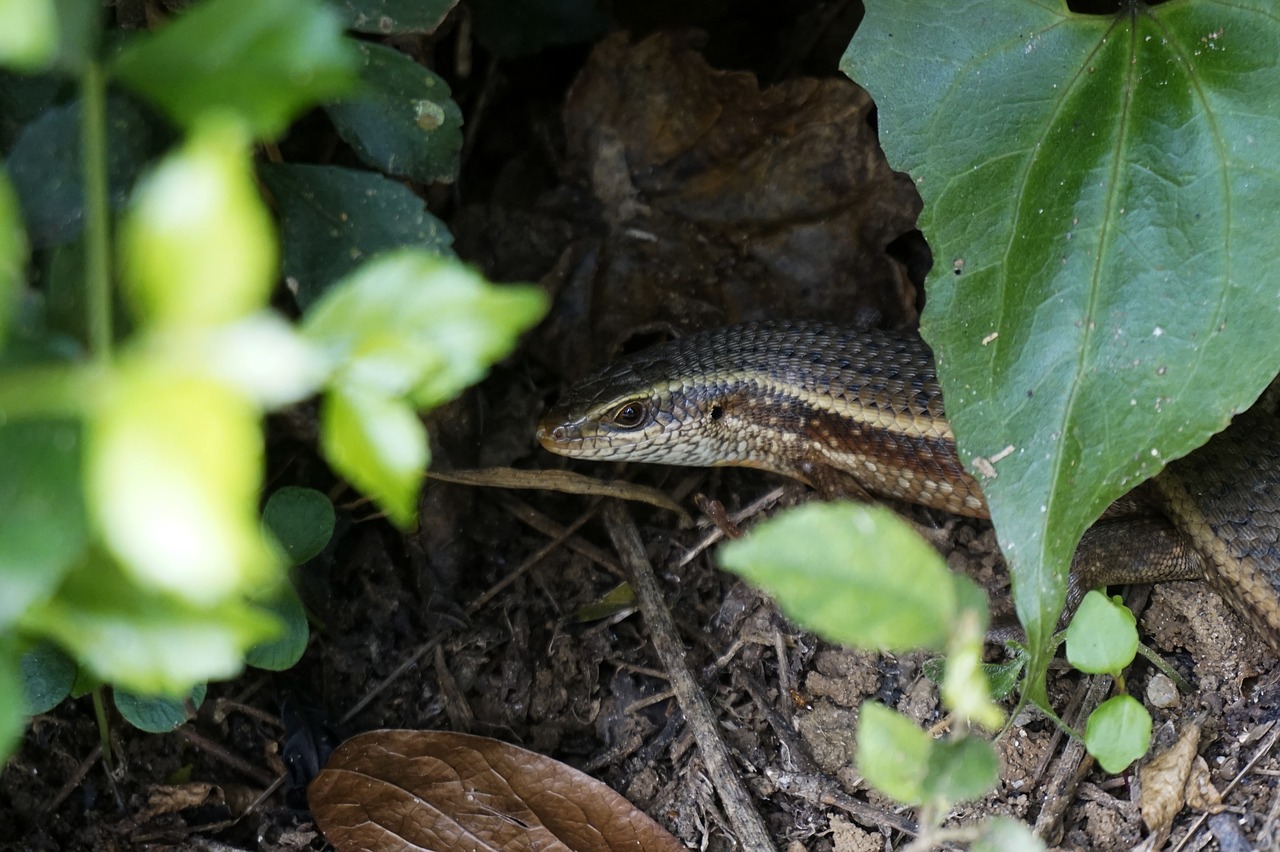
(724, 201)
(445, 791)
(1164, 780)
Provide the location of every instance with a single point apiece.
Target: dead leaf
(1201, 793)
(445, 791)
(1164, 780)
(723, 200)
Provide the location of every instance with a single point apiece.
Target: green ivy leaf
(301, 519)
(856, 574)
(1118, 732)
(1104, 296)
(266, 63)
(198, 244)
(43, 529)
(285, 650)
(379, 444)
(1103, 636)
(893, 753)
(158, 715)
(402, 120)
(334, 219)
(47, 677)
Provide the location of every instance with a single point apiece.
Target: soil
(630, 180)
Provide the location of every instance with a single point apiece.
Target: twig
(1072, 766)
(739, 809)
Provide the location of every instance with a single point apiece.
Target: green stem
(104, 733)
(93, 165)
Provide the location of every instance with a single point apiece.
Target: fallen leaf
(1164, 780)
(444, 791)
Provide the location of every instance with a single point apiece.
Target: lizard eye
(629, 415)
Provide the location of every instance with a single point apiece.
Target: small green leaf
(379, 444)
(265, 63)
(960, 769)
(1002, 834)
(394, 17)
(856, 574)
(1103, 635)
(43, 529)
(142, 640)
(28, 33)
(284, 651)
(893, 753)
(198, 244)
(301, 519)
(1003, 677)
(334, 219)
(174, 467)
(417, 325)
(12, 710)
(158, 715)
(621, 598)
(1118, 732)
(402, 120)
(47, 676)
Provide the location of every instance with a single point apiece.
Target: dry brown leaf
(725, 200)
(445, 791)
(1164, 780)
(1201, 793)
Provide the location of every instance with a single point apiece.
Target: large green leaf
(264, 62)
(1100, 196)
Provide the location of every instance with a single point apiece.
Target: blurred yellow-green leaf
(199, 246)
(262, 62)
(174, 466)
(379, 444)
(147, 641)
(28, 33)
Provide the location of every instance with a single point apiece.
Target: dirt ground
(653, 183)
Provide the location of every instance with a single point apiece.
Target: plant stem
(97, 214)
(104, 733)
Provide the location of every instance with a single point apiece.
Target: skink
(861, 410)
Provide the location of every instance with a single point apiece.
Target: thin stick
(743, 817)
